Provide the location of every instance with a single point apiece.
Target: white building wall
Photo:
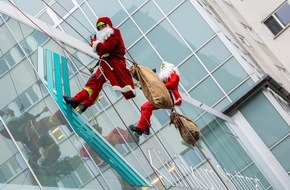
(272, 53)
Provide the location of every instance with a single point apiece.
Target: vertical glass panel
(282, 153)
(192, 72)
(45, 17)
(273, 25)
(131, 6)
(62, 7)
(39, 37)
(13, 169)
(89, 13)
(213, 53)
(230, 74)
(266, 121)
(109, 8)
(130, 32)
(3, 66)
(243, 88)
(145, 55)
(147, 16)
(81, 28)
(167, 42)
(167, 6)
(207, 92)
(197, 30)
(25, 6)
(283, 14)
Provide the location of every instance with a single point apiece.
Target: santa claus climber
(110, 47)
(170, 76)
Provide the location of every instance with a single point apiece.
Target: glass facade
(42, 150)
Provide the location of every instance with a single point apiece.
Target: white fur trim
(126, 88)
(94, 46)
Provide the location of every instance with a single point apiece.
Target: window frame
(278, 21)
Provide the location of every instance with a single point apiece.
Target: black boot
(147, 131)
(136, 129)
(70, 101)
(81, 108)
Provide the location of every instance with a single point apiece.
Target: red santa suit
(112, 67)
(170, 76)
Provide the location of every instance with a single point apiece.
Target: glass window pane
(81, 27)
(62, 7)
(147, 16)
(266, 121)
(109, 8)
(130, 5)
(273, 25)
(46, 18)
(197, 30)
(283, 13)
(130, 32)
(167, 6)
(282, 153)
(230, 74)
(3, 66)
(25, 5)
(213, 53)
(192, 72)
(148, 57)
(207, 92)
(237, 93)
(167, 42)
(39, 37)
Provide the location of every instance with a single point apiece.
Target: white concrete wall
(273, 53)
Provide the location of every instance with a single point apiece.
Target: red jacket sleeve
(107, 46)
(172, 81)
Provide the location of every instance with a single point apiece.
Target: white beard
(105, 33)
(166, 73)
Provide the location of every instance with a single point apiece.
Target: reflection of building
(249, 147)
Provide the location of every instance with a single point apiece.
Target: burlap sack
(152, 86)
(188, 130)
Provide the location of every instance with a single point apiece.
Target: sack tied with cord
(152, 86)
(188, 129)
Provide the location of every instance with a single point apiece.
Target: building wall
(271, 52)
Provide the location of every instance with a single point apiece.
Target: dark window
(279, 19)
(273, 25)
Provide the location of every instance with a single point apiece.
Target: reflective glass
(143, 54)
(207, 92)
(242, 89)
(131, 6)
(266, 121)
(60, 159)
(191, 25)
(283, 14)
(147, 16)
(167, 6)
(282, 153)
(62, 7)
(213, 53)
(230, 74)
(130, 32)
(78, 26)
(167, 42)
(45, 17)
(110, 8)
(25, 5)
(192, 72)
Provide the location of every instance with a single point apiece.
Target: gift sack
(188, 130)
(152, 86)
